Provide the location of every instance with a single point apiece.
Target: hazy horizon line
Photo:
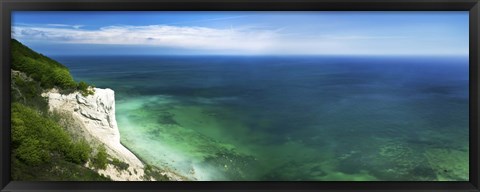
(276, 55)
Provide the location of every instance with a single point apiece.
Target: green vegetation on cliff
(41, 148)
(35, 138)
(48, 72)
(100, 160)
(41, 68)
(46, 145)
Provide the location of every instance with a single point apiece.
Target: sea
(290, 118)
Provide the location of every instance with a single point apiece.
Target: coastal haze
(276, 96)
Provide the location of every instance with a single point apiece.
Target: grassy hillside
(48, 72)
(41, 148)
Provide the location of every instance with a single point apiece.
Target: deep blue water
(291, 118)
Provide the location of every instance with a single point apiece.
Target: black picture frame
(473, 6)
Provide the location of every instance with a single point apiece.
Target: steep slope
(47, 99)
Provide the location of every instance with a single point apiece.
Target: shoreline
(168, 173)
(95, 114)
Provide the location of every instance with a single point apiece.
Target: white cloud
(231, 40)
(241, 39)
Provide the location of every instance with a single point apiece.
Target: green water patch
(209, 141)
(251, 155)
(449, 165)
(157, 129)
(394, 159)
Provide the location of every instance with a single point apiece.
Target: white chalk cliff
(95, 115)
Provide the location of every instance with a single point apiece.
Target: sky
(243, 33)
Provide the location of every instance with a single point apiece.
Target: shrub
(27, 92)
(120, 165)
(79, 153)
(63, 79)
(30, 152)
(100, 160)
(82, 86)
(85, 89)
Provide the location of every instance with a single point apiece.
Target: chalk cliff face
(96, 116)
(94, 119)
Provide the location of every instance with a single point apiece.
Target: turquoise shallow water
(290, 118)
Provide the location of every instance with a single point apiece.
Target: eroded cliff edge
(93, 117)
